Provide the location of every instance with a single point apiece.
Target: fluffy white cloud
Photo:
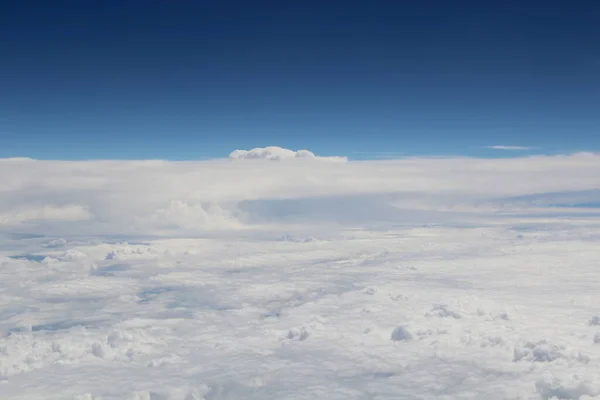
(275, 153)
(156, 197)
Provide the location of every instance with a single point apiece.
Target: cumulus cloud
(509, 148)
(184, 215)
(156, 197)
(275, 153)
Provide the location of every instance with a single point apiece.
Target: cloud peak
(275, 153)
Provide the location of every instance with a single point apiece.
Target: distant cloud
(509, 148)
(275, 153)
(156, 197)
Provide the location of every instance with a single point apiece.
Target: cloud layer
(154, 197)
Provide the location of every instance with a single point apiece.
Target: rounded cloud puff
(278, 154)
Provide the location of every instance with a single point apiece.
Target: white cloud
(68, 213)
(275, 153)
(160, 197)
(322, 272)
(509, 148)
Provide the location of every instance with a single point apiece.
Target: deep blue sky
(188, 79)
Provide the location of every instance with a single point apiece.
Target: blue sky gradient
(366, 79)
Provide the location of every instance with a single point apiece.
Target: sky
(364, 79)
(213, 199)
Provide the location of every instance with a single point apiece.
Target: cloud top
(275, 153)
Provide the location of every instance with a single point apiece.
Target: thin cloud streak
(509, 148)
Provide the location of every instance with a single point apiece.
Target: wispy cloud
(509, 148)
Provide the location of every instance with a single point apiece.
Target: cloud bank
(163, 197)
